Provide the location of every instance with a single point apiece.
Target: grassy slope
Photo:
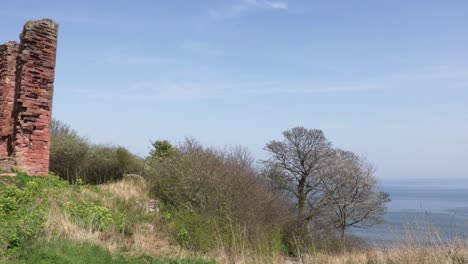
(50, 221)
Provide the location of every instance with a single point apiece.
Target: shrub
(73, 158)
(222, 186)
(128, 162)
(194, 231)
(68, 152)
(102, 165)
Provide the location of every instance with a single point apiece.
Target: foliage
(160, 149)
(31, 208)
(194, 231)
(68, 152)
(91, 214)
(210, 198)
(128, 162)
(222, 187)
(23, 210)
(74, 158)
(102, 165)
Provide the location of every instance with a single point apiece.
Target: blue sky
(388, 79)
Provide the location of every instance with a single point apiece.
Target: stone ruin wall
(26, 90)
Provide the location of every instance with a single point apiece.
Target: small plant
(91, 214)
(166, 217)
(79, 182)
(14, 243)
(7, 204)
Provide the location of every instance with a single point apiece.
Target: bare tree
(351, 192)
(295, 167)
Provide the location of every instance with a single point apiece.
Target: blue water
(422, 209)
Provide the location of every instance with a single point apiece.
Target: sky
(385, 79)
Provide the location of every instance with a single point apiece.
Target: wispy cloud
(173, 90)
(189, 91)
(130, 59)
(279, 89)
(176, 90)
(267, 4)
(244, 6)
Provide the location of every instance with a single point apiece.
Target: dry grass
(59, 225)
(131, 187)
(243, 257)
(423, 244)
(394, 255)
(146, 238)
(148, 241)
(416, 255)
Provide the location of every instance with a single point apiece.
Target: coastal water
(422, 210)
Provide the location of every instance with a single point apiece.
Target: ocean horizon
(421, 211)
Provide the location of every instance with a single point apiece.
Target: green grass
(67, 252)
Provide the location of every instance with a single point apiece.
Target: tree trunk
(343, 236)
(301, 202)
(344, 220)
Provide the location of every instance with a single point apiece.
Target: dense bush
(224, 187)
(73, 158)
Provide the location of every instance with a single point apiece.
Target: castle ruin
(27, 71)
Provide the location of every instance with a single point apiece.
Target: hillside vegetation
(188, 203)
(47, 220)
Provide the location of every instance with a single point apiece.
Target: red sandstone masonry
(8, 55)
(26, 108)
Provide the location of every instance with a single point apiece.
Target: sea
(421, 211)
